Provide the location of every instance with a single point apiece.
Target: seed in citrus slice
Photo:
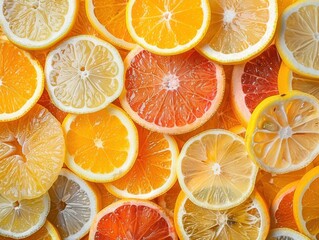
(32, 151)
(84, 74)
(253, 81)
(171, 94)
(297, 37)
(282, 135)
(281, 208)
(21, 81)
(285, 234)
(239, 31)
(132, 219)
(20, 219)
(74, 204)
(154, 170)
(37, 24)
(101, 146)
(249, 220)
(214, 170)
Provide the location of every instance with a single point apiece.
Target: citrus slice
(288, 81)
(285, 234)
(171, 94)
(106, 197)
(20, 219)
(281, 208)
(132, 219)
(254, 81)
(101, 146)
(283, 4)
(21, 81)
(238, 32)
(214, 170)
(283, 135)
(74, 203)
(305, 204)
(32, 151)
(297, 37)
(154, 171)
(37, 24)
(108, 18)
(249, 220)
(84, 74)
(167, 27)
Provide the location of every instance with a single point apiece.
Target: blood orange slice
(171, 94)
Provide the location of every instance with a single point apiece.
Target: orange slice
(21, 81)
(74, 204)
(285, 233)
(32, 151)
(132, 219)
(101, 146)
(106, 197)
(108, 18)
(153, 172)
(249, 220)
(167, 27)
(171, 94)
(283, 4)
(254, 81)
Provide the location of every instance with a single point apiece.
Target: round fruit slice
(283, 4)
(154, 171)
(74, 203)
(106, 197)
(285, 234)
(32, 151)
(254, 81)
(167, 27)
(171, 94)
(108, 18)
(101, 146)
(37, 24)
(214, 170)
(84, 74)
(132, 219)
(282, 135)
(238, 32)
(21, 81)
(20, 219)
(281, 207)
(297, 37)
(249, 220)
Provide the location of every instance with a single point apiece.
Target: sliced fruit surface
(297, 37)
(285, 234)
(282, 135)
(154, 171)
(20, 219)
(84, 74)
(74, 203)
(101, 146)
(171, 94)
(249, 220)
(106, 197)
(253, 81)
(132, 219)
(37, 24)
(167, 200)
(21, 81)
(32, 151)
(238, 32)
(214, 170)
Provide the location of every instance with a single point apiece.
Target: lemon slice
(285, 234)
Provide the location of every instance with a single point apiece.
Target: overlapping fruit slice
(285, 233)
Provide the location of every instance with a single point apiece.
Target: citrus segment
(132, 219)
(32, 151)
(101, 146)
(154, 170)
(171, 94)
(214, 170)
(285, 234)
(84, 74)
(167, 27)
(238, 32)
(21, 81)
(37, 24)
(74, 203)
(249, 220)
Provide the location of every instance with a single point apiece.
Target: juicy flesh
(306, 85)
